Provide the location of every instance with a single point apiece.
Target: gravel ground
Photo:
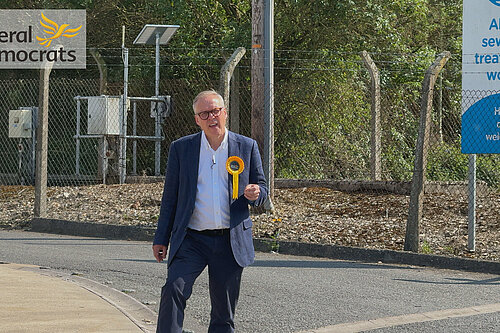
(313, 214)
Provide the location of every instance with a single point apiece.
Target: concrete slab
(32, 302)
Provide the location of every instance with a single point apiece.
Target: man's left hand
(252, 192)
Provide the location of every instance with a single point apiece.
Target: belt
(211, 232)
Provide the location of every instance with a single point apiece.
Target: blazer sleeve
(169, 199)
(257, 175)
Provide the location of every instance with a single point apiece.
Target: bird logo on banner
(495, 2)
(52, 28)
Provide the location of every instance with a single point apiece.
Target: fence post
(375, 116)
(440, 109)
(103, 71)
(234, 95)
(40, 206)
(418, 180)
(225, 79)
(226, 74)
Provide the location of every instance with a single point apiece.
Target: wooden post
(418, 180)
(40, 207)
(262, 88)
(375, 116)
(257, 77)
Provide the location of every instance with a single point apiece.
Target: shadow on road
(455, 281)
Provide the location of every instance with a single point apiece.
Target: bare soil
(314, 214)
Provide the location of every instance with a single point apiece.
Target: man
(204, 215)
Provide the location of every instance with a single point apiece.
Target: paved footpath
(280, 293)
(40, 300)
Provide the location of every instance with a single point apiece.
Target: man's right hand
(160, 252)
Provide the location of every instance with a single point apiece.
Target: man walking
(211, 178)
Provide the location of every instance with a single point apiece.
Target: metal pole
(123, 129)
(134, 142)
(157, 66)
(20, 161)
(471, 241)
(269, 95)
(157, 117)
(104, 158)
(77, 158)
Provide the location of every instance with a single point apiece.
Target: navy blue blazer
(179, 194)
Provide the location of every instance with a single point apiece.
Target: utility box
(20, 124)
(104, 115)
(164, 107)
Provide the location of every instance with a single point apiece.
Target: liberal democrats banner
(31, 38)
(481, 77)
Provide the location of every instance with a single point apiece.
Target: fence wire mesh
(321, 124)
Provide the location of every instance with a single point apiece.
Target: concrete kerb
(85, 229)
(284, 247)
(377, 255)
(138, 313)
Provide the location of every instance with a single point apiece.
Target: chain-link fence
(18, 160)
(322, 125)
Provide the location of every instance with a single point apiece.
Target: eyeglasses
(205, 114)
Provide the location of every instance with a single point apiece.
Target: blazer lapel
(233, 150)
(194, 159)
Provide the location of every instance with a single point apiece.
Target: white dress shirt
(211, 208)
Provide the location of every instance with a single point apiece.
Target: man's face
(214, 126)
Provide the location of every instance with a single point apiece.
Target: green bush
(446, 163)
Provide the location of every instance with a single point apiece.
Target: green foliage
(488, 170)
(322, 111)
(426, 248)
(447, 163)
(311, 134)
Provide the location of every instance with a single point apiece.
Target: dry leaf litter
(313, 214)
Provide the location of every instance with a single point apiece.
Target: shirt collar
(206, 144)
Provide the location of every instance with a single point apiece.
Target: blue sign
(481, 127)
(481, 77)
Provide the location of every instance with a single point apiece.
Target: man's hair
(207, 93)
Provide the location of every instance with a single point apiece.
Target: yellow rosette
(235, 166)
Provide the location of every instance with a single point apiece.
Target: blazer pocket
(247, 223)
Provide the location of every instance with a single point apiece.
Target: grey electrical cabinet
(20, 124)
(104, 115)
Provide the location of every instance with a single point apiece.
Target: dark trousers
(196, 252)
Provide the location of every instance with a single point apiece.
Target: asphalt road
(283, 293)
